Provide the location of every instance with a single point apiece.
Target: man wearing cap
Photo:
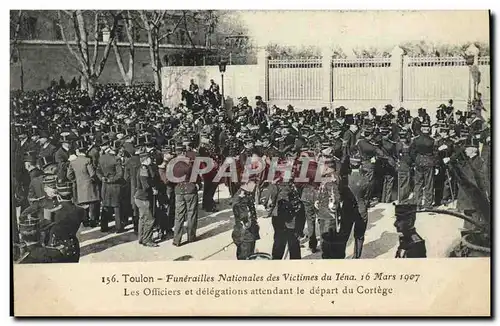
(110, 173)
(46, 148)
(422, 152)
(308, 194)
(411, 244)
(284, 206)
(404, 166)
(144, 200)
(82, 173)
(186, 196)
(246, 229)
(130, 170)
(443, 182)
(58, 242)
(466, 164)
(61, 156)
(369, 153)
(388, 167)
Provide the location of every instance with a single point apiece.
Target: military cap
(405, 216)
(64, 188)
(144, 154)
(29, 157)
(472, 141)
(444, 129)
(49, 180)
(349, 119)
(258, 98)
(81, 144)
(64, 137)
(43, 134)
(260, 256)
(442, 106)
(47, 160)
(388, 107)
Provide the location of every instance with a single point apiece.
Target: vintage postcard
(241, 163)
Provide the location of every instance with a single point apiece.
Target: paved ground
(441, 232)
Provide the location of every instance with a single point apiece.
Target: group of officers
(80, 160)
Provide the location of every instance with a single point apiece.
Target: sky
(350, 29)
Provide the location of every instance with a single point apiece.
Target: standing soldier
(186, 197)
(404, 166)
(443, 181)
(369, 153)
(144, 193)
(81, 172)
(422, 152)
(110, 172)
(246, 229)
(61, 157)
(131, 168)
(388, 167)
(283, 207)
(308, 195)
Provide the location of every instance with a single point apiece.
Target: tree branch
(112, 37)
(186, 28)
(78, 41)
(171, 32)
(63, 35)
(96, 38)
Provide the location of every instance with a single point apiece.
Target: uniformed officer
(422, 152)
(145, 190)
(411, 244)
(369, 153)
(404, 166)
(246, 229)
(58, 242)
(186, 197)
(110, 172)
(388, 168)
(284, 206)
(444, 183)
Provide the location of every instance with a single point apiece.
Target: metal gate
(361, 79)
(296, 79)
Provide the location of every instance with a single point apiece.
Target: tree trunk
(21, 76)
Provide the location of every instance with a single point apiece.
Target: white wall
(238, 81)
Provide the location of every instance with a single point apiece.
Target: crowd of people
(80, 160)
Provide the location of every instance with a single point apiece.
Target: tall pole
(222, 84)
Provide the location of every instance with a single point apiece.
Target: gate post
(263, 64)
(396, 82)
(326, 68)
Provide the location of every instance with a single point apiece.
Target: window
(182, 36)
(120, 33)
(57, 31)
(168, 39)
(31, 27)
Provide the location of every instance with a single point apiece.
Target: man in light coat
(82, 172)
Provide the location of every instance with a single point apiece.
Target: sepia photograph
(224, 135)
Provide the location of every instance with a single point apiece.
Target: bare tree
(152, 21)
(90, 67)
(15, 53)
(127, 75)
